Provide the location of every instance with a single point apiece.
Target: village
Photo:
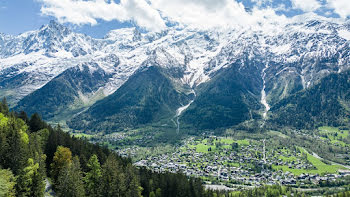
(224, 161)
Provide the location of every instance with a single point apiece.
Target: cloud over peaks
(306, 5)
(202, 13)
(153, 15)
(81, 12)
(341, 7)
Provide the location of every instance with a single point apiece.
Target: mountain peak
(130, 34)
(54, 23)
(54, 28)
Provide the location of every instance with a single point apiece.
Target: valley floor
(239, 160)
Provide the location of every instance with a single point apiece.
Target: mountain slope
(326, 103)
(230, 70)
(147, 97)
(229, 98)
(68, 91)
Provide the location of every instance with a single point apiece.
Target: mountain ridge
(298, 54)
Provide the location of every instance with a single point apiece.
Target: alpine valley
(185, 91)
(182, 78)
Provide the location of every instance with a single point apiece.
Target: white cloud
(88, 11)
(153, 14)
(211, 13)
(202, 13)
(341, 7)
(306, 5)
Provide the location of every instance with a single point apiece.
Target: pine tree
(62, 158)
(158, 192)
(23, 115)
(15, 152)
(92, 178)
(152, 194)
(30, 182)
(7, 184)
(36, 123)
(113, 184)
(4, 107)
(70, 180)
(132, 182)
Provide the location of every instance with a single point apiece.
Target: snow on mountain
(30, 60)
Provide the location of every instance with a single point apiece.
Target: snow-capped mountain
(285, 57)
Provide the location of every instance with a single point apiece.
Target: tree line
(32, 153)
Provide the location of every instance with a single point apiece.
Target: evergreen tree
(4, 107)
(62, 159)
(132, 183)
(158, 192)
(36, 123)
(112, 178)
(15, 150)
(30, 182)
(7, 184)
(152, 194)
(23, 115)
(92, 178)
(70, 180)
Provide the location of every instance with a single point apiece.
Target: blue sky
(18, 16)
(97, 17)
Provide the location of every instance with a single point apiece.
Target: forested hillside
(147, 97)
(227, 100)
(32, 152)
(66, 92)
(326, 103)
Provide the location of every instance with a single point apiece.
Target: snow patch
(344, 34)
(282, 49)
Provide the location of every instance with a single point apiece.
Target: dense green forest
(32, 152)
(326, 103)
(226, 100)
(61, 93)
(147, 97)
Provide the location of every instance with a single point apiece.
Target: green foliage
(7, 183)
(326, 103)
(4, 107)
(60, 94)
(113, 183)
(132, 182)
(22, 152)
(147, 97)
(3, 120)
(27, 152)
(158, 192)
(321, 167)
(152, 194)
(30, 181)
(62, 159)
(70, 180)
(170, 185)
(35, 123)
(14, 145)
(226, 100)
(92, 178)
(267, 191)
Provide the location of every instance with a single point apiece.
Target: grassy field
(321, 167)
(204, 145)
(229, 141)
(335, 135)
(287, 159)
(203, 148)
(82, 135)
